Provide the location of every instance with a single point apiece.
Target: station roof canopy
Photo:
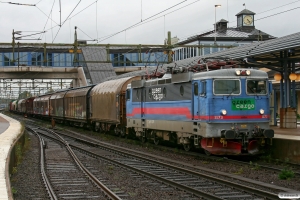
(271, 54)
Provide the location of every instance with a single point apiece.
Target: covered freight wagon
(108, 105)
(41, 105)
(56, 106)
(76, 105)
(29, 106)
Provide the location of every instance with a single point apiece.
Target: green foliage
(13, 190)
(14, 170)
(220, 159)
(132, 194)
(286, 174)
(240, 171)
(256, 167)
(286, 160)
(266, 158)
(110, 169)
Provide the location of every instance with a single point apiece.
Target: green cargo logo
(243, 104)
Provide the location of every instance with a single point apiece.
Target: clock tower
(245, 19)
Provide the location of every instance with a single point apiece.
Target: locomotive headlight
(261, 111)
(223, 112)
(238, 72)
(248, 72)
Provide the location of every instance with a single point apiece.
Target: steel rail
(46, 181)
(166, 181)
(225, 182)
(106, 190)
(262, 166)
(235, 185)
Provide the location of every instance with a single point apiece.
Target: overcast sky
(108, 17)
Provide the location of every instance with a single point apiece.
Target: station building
(224, 37)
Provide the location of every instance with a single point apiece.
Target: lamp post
(216, 6)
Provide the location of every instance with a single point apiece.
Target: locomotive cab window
(128, 94)
(256, 87)
(203, 88)
(226, 87)
(196, 89)
(181, 90)
(137, 94)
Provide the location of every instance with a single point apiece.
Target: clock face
(248, 20)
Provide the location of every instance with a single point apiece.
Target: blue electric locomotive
(225, 112)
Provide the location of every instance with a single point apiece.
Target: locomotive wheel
(187, 147)
(143, 139)
(207, 152)
(156, 140)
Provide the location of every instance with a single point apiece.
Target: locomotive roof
(229, 73)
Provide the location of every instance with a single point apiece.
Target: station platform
(9, 131)
(287, 133)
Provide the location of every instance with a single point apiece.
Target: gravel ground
(249, 171)
(132, 185)
(26, 182)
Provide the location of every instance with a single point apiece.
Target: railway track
(196, 183)
(66, 177)
(240, 192)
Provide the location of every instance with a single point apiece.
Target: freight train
(224, 111)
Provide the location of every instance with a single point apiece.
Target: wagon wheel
(117, 131)
(122, 132)
(156, 140)
(100, 130)
(143, 139)
(187, 147)
(96, 128)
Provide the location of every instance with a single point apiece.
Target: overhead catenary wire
(65, 21)
(141, 21)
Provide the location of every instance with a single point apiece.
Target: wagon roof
(112, 86)
(78, 92)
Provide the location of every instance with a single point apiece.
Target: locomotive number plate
(243, 104)
(243, 125)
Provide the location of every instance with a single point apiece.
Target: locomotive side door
(195, 98)
(143, 98)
